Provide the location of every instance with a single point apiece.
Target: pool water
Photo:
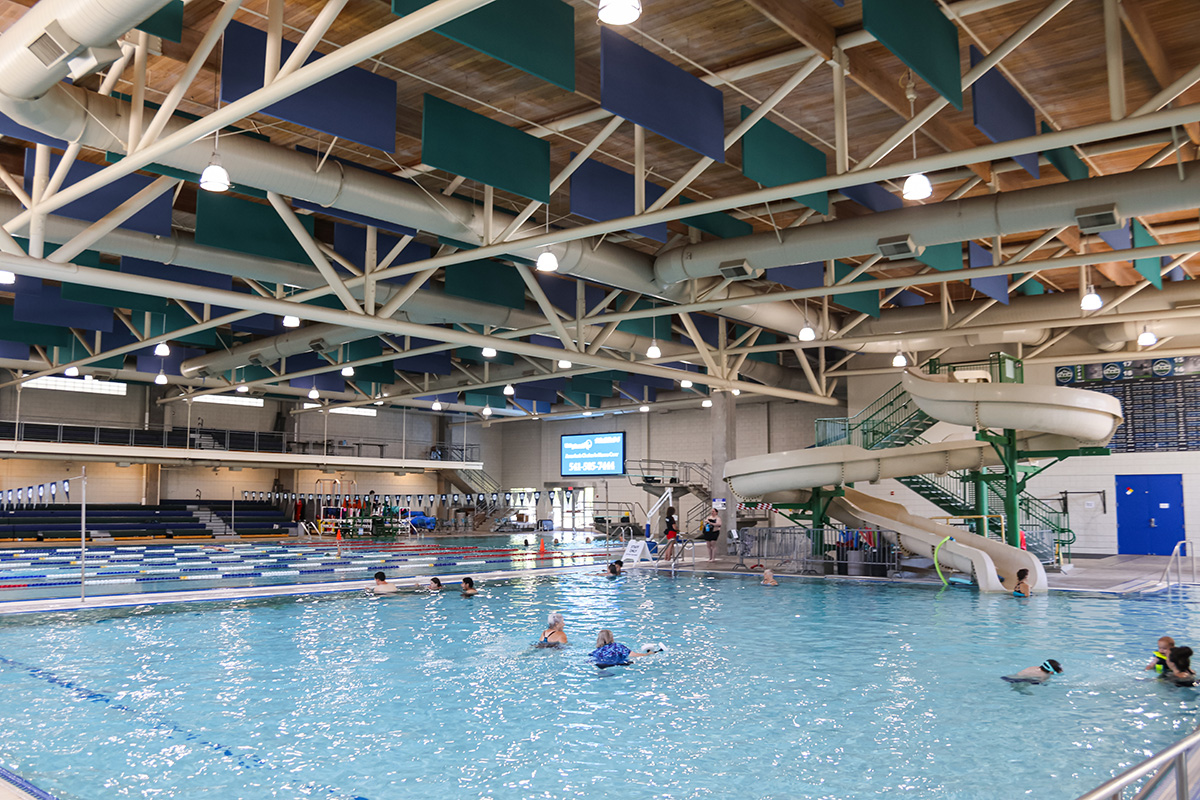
(813, 689)
(41, 573)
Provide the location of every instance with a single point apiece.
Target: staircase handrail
(669, 472)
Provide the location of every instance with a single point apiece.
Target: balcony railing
(239, 441)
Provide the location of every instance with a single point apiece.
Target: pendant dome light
(1090, 300)
(487, 411)
(706, 403)
(653, 351)
(313, 394)
(1147, 338)
(899, 360)
(437, 405)
(291, 321)
(242, 388)
(488, 352)
(564, 364)
(686, 383)
(917, 185)
(162, 349)
(619, 12)
(71, 372)
(509, 391)
(347, 372)
(161, 378)
(807, 334)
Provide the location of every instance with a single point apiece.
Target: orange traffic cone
(541, 546)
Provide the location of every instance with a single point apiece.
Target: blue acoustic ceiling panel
(15, 130)
(908, 299)
(800, 276)
(35, 301)
(14, 350)
(351, 242)
(600, 193)
(1120, 239)
(154, 219)
(995, 287)
(643, 393)
(561, 292)
(654, 93)
(873, 196)
(325, 382)
(1001, 113)
(355, 104)
(541, 391)
(1177, 273)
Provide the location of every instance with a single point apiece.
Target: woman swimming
(1179, 667)
(609, 653)
(554, 635)
(1037, 674)
(1022, 588)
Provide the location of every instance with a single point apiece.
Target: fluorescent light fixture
(489, 352)
(686, 383)
(619, 12)
(229, 400)
(350, 411)
(509, 391)
(807, 334)
(653, 351)
(161, 378)
(899, 360)
(291, 321)
(706, 403)
(347, 372)
(1091, 301)
(71, 372)
(564, 364)
(242, 388)
(162, 349)
(215, 177)
(1147, 338)
(54, 383)
(487, 411)
(547, 262)
(7, 278)
(437, 405)
(917, 187)
(643, 409)
(313, 394)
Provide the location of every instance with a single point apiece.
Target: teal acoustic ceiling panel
(1148, 268)
(1065, 160)
(535, 36)
(231, 223)
(773, 157)
(862, 302)
(943, 257)
(166, 23)
(482, 149)
(486, 281)
(921, 36)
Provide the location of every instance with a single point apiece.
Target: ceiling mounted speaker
(1096, 219)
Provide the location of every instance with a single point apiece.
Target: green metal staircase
(894, 420)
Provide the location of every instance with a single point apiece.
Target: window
(351, 410)
(229, 400)
(56, 384)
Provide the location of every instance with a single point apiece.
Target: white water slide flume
(1046, 418)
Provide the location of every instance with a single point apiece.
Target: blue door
(1149, 514)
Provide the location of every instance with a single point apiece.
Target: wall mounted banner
(537, 497)
(455, 499)
(443, 499)
(1173, 367)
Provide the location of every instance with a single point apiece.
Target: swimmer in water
(554, 635)
(382, 586)
(769, 578)
(1038, 674)
(1159, 664)
(435, 585)
(609, 653)
(468, 587)
(1022, 588)
(1179, 667)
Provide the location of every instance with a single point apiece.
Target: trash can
(841, 555)
(855, 563)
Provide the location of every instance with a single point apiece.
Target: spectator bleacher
(61, 521)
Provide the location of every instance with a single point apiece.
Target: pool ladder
(1179, 762)
(685, 546)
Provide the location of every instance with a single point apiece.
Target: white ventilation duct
(1135, 194)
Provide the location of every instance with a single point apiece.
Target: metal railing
(1175, 564)
(1172, 762)
(864, 552)
(876, 423)
(1000, 367)
(200, 438)
(653, 470)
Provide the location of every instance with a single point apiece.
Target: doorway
(1149, 514)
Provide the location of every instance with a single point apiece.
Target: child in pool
(1038, 674)
(769, 578)
(1159, 664)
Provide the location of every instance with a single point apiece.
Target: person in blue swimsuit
(609, 653)
(1022, 588)
(554, 635)
(1037, 674)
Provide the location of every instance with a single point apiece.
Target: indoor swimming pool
(812, 689)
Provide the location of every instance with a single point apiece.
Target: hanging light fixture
(735, 392)
(547, 262)
(899, 360)
(379, 400)
(1090, 300)
(160, 378)
(437, 405)
(807, 334)
(488, 352)
(7, 278)
(242, 388)
(487, 411)
(291, 321)
(162, 349)
(71, 372)
(916, 186)
(313, 394)
(215, 177)
(1147, 338)
(706, 403)
(587, 413)
(686, 383)
(347, 372)
(619, 12)
(643, 409)
(653, 351)
(564, 364)
(89, 378)
(509, 391)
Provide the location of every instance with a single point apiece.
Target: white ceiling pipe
(1136, 194)
(1025, 336)
(1112, 338)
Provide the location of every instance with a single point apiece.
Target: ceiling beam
(811, 29)
(1133, 14)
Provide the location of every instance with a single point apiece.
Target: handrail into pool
(1180, 552)
(1173, 761)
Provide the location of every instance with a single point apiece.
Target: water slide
(1046, 418)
